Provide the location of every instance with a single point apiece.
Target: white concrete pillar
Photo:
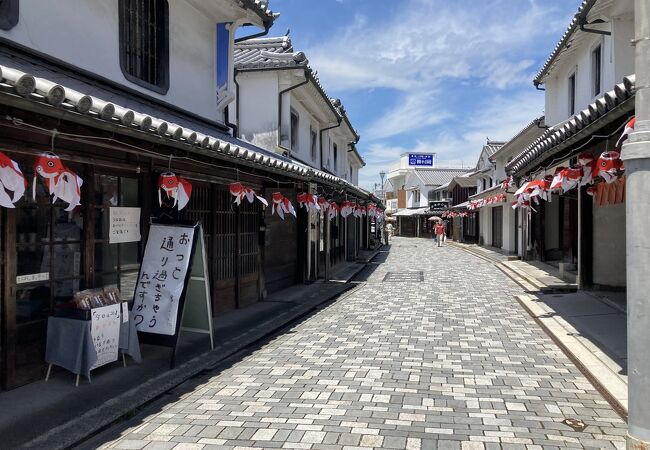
(636, 154)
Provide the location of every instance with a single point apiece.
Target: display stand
(171, 298)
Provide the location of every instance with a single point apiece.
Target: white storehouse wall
(85, 34)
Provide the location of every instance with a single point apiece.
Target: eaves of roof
(578, 18)
(514, 140)
(261, 8)
(25, 91)
(605, 109)
(486, 193)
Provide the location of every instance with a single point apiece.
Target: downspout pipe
(235, 127)
(339, 120)
(537, 84)
(280, 94)
(267, 28)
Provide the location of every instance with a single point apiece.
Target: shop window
(144, 43)
(49, 255)
(114, 264)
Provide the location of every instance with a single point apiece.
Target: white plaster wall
(609, 245)
(509, 234)
(258, 108)
(485, 225)
(86, 34)
(617, 61)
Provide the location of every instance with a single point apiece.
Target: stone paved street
(445, 360)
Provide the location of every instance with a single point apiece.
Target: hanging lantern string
(577, 149)
(17, 123)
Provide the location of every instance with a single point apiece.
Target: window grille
(144, 43)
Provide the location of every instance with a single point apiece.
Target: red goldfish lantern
(175, 187)
(62, 183)
(11, 179)
(609, 165)
(308, 201)
(240, 192)
(282, 205)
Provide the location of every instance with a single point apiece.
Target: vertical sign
(162, 278)
(124, 225)
(105, 332)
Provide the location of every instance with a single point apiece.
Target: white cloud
(425, 41)
(499, 118)
(415, 111)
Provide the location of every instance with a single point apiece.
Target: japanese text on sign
(162, 278)
(125, 225)
(416, 159)
(105, 332)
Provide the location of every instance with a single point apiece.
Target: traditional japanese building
(116, 112)
(589, 98)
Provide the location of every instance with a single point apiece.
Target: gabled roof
(267, 53)
(277, 53)
(535, 128)
(491, 147)
(578, 19)
(607, 108)
(464, 182)
(437, 177)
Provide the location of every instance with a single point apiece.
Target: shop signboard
(124, 225)
(420, 159)
(105, 333)
(162, 278)
(173, 290)
(435, 206)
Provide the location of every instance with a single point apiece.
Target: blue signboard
(416, 159)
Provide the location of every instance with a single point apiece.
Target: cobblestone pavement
(445, 360)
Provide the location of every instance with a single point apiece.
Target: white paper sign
(162, 278)
(105, 331)
(32, 277)
(124, 225)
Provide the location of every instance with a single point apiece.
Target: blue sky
(428, 75)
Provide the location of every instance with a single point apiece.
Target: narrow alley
(430, 351)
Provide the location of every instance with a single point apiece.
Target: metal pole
(636, 154)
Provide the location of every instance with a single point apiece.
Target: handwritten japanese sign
(105, 332)
(124, 225)
(162, 278)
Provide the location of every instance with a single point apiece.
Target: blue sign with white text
(416, 159)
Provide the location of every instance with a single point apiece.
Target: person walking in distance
(440, 232)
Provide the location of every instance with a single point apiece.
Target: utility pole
(636, 154)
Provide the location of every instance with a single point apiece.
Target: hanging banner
(124, 225)
(105, 332)
(162, 279)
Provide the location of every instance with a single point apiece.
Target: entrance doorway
(497, 227)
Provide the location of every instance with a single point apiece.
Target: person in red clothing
(440, 232)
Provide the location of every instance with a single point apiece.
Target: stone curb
(116, 409)
(590, 360)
